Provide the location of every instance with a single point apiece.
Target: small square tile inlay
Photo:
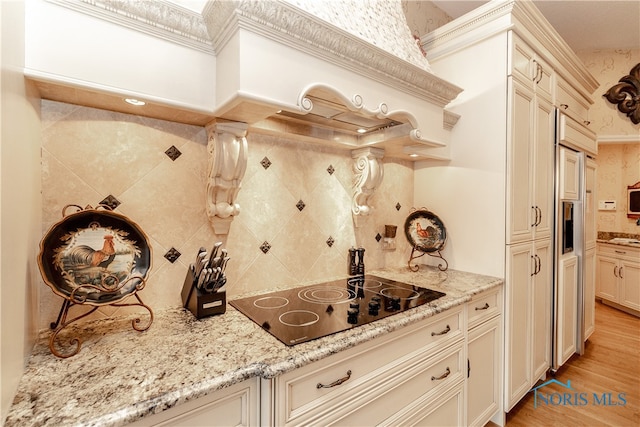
(331, 169)
(173, 152)
(172, 255)
(330, 241)
(265, 247)
(265, 162)
(110, 201)
(398, 206)
(378, 237)
(300, 205)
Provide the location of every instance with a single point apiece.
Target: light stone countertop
(121, 375)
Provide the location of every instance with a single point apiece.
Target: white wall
(93, 53)
(20, 206)
(468, 193)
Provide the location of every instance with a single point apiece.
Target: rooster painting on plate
(99, 256)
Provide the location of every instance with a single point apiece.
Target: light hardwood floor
(611, 364)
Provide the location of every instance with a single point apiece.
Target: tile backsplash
(90, 154)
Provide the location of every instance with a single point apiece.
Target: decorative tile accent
(300, 205)
(398, 206)
(172, 255)
(330, 241)
(173, 153)
(378, 237)
(331, 169)
(110, 201)
(265, 162)
(265, 247)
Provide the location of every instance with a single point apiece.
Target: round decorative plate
(94, 257)
(425, 231)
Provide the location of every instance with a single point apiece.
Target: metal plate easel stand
(75, 299)
(416, 267)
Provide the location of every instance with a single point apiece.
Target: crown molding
(158, 18)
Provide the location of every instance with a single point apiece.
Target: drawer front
(424, 381)
(326, 381)
(572, 103)
(483, 307)
(573, 134)
(619, 251)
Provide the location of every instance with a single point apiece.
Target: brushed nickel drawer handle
(484, 307)
(336, 382)
(444, 331)
(443, 376)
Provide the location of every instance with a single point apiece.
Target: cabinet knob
(565, 106)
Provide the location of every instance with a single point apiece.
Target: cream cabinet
(387, 381)
(484, 344)
(589, 286)
(618, 276)
(527, 317)
(566, 307)
(237, 405)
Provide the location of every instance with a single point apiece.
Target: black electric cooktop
(302, 314)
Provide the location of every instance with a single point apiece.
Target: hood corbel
(227, 163)
(368, 172)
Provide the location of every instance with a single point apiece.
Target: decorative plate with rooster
(425, 231)
(94, 257)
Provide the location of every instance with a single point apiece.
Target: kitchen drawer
(447, 409)
(483, 307)
(297, 392)
(572, 103)
(420, 380)
(619, 251)
(575, 135)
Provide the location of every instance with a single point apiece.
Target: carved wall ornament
(368, 172)
(227, 149)
(626, 94)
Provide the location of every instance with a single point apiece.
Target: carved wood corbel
(227, 148)
(368, 172)
(626, 94)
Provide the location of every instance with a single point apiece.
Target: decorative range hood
(324, 71)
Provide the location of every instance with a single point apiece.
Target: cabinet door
(567, 306)
(541, 309)
(483, 372)
(569, 174)
(520, 206)
(520, 266)
(589, 291)
(606, 279)
(629, 274)
(543, 168)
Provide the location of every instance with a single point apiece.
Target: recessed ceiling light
(361, 130)
(413, 155)
(134, 101)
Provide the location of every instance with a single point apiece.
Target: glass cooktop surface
(302, 314)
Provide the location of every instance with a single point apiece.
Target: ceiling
(584, 25)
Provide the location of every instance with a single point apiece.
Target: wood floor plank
(611, 364)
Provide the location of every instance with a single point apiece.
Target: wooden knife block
(202, 304)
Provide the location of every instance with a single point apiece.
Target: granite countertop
(121, 375)
(621, 239)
